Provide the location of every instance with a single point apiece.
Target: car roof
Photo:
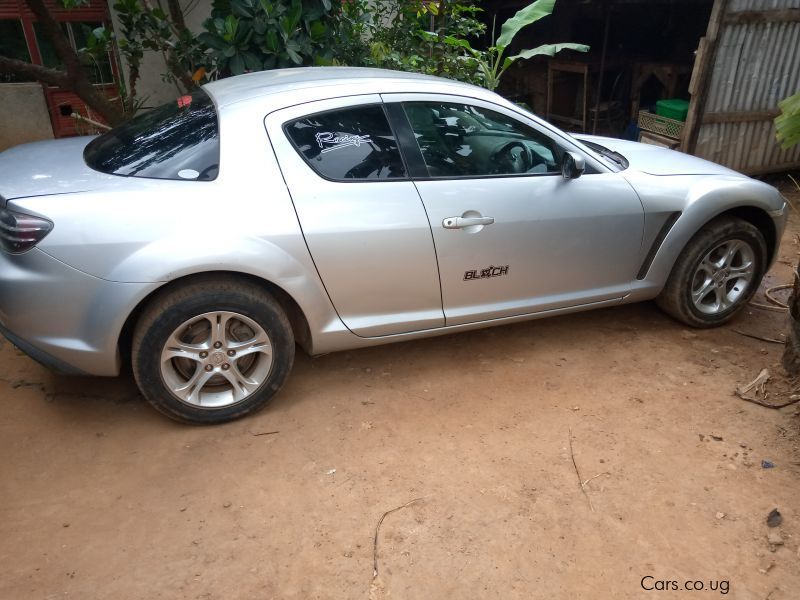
(232, 90)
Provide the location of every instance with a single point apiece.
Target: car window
(179, 140)
(351, 143)
(460, 140)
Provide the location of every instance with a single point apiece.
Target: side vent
(662, 234)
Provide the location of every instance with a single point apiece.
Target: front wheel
(717, 273)
(211, 351)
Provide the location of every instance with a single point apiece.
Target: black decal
(488, 272)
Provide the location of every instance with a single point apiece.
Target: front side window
(460, 140)
(351, 143)
(179, 140)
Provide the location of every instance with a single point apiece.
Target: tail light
(20, 232)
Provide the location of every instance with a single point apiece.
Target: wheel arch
(688, 225)
(295, 314)
(758, 218)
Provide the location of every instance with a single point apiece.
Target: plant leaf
(236, 64)
(787, 124)
(292, 48)
(251, 61)
(241, 8)
(525, 16)
(211, 40)
(550, 50)
(317, 30)
(271, 41)
(296, 58)
(267, 6)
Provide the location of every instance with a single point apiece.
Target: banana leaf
(525, 16)
(787, 124)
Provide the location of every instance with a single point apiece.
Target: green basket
(673, 108)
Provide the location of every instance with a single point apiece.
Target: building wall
(23, 114)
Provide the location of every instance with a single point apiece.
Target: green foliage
(787, 124)
(251, 35)
(434, 38)
(146, 28)
(409, 35)
(524, 17)
(493, 63)
(424, 36)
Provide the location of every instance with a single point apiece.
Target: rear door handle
(462, 222)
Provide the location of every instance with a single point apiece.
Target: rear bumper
(43, 358)
(65, 319)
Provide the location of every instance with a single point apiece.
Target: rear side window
(352, 143)
(179, 140)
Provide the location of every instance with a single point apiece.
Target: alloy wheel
(216, 359)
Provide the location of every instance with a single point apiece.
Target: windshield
(179, 140)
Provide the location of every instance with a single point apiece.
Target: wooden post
(602, 69)
(701, 76)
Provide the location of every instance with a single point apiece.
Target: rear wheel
(717, 273)
(213, 350)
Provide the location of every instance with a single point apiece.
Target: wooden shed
(731, 60)
(748, 61)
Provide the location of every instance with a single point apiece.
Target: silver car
(339, 208)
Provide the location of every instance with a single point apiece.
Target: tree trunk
(173, 63)
(176, 14)
(76, 78)
(791, 352)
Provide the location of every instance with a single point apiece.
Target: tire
(212, 350)
(716, 274)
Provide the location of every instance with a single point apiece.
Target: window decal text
(330, 141)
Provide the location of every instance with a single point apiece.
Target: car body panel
(65, 313)
(159, 231)
(117, 240)
(655, 160)
(699, 200)
(370, 240)
(563, 243)
(51, 167)
(553, 242)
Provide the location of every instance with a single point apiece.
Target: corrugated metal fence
(753, 63)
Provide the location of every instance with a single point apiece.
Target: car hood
(655, 160)
(48, 167)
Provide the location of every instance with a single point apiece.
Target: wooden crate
(647, 137)
(660, 125)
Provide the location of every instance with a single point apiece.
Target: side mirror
(572, 165)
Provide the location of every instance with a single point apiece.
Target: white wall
(23, 114)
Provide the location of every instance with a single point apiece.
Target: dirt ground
(103, 498)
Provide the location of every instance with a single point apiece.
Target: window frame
(285, 126)
(68, 28)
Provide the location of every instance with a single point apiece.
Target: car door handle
(462, 222)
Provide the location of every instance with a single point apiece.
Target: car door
(513, 236)
(360, 214)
